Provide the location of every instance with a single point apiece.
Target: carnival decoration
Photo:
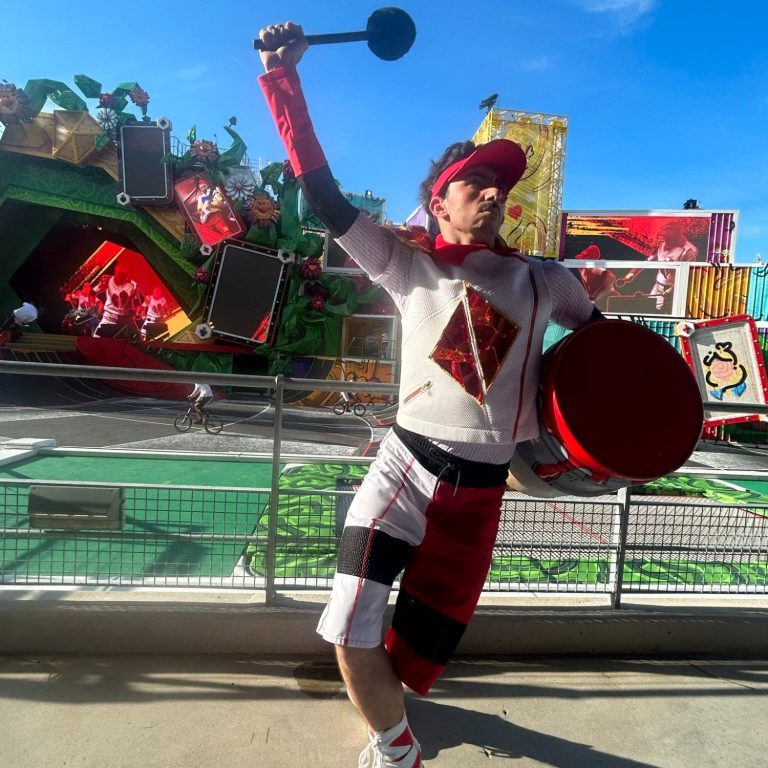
(727, 361)
(14, 105)
(74, 136)
(248, 285)
(145, 173)
(532, 217)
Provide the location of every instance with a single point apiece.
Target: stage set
(123, 237)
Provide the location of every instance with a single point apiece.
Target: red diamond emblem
(474, 343)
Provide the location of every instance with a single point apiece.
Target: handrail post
(623, 496)
(274, 498)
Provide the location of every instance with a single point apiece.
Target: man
(473, 316)
(87, 311)
(122, 305)
(155, 313)
(673, 246)
(201, 395)
(21, 316)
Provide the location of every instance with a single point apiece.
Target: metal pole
(274, 498)
(623, 496)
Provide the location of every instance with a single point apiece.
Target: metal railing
(285, 537)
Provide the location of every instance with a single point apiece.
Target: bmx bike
(211, 424)
(346, 407)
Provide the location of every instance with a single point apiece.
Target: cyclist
(201, 395)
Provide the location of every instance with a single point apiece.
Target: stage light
(691, 205)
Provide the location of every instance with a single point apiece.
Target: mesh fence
(685, 547)
(221, 537)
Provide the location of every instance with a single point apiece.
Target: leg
(372, 685)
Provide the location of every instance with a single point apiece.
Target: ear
(437, 207)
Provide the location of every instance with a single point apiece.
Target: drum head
(622, 400)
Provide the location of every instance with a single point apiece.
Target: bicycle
(344, 406)
(211, 424)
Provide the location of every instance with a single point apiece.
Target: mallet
(390, 33)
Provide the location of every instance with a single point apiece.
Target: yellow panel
(717, 292)
(532, 220)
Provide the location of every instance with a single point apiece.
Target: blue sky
(666, 99)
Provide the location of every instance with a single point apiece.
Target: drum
(617, 406)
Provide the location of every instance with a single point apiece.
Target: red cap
(504, 155)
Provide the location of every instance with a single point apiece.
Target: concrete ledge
(54, 622)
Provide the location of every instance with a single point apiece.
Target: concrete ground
(206, 712)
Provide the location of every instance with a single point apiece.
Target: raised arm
(282, 90)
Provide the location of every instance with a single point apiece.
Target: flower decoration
(201, 276)
(264, 211)
(311, 268)
(139, 97)
(108, 119)
(317, 303)
(204, 151)
(107, 101)
(14, 105)
(240, 187)
(316, 289)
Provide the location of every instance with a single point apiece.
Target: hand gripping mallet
(390, 33)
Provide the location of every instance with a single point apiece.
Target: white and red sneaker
(395, 748)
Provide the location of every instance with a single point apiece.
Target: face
(472, 210)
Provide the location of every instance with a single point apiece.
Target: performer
(474, 314)
(673, 246)
(201, 395)
(24, 315)
(86, 313)
(122, 305)
(155, 312)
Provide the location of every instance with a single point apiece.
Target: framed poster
(145, 175)
(726, 358)
(248, 285)
(207, 209)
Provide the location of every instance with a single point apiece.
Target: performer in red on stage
(87, 308)
(155, 311)
(474, 314)
(122, 306)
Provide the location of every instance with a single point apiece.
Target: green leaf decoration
(125, 88)
(89, 87)
(59, 93)
(235, 154)
(270, 175)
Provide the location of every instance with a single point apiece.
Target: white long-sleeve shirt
(472, 337)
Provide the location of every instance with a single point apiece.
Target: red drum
(618, 406)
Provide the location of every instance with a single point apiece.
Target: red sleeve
(282, 90)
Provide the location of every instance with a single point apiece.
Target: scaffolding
(534, 208)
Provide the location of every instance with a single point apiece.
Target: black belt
(452, 469)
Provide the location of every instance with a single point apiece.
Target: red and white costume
(473, 322)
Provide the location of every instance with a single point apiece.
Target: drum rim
(555, 419)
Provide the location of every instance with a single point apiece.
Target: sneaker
(374, 756)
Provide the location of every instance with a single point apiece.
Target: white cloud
(535, 64)
(191, 74)
(625, 13)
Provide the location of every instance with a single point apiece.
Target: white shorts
(386, 518)
(434, 517)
